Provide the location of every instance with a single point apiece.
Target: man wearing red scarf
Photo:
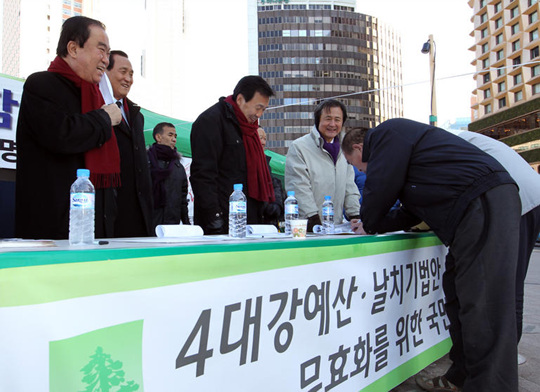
(226, 150)
(64, 125)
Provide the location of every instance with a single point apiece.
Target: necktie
(121, 106)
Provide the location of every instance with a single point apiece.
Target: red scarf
(259, 182)
(103, 162)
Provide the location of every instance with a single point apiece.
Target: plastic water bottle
(237, 213)
(328, 215)
(291, 211)
(81, 210)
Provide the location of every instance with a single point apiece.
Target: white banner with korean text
(341, 325)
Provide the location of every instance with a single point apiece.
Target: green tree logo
(103, 374)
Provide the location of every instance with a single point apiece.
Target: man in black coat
(131, 212)
(169, 179)
(226, 150)
(64, 125)
(470, 201)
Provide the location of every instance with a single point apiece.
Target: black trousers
(479, 284)
(529, 227)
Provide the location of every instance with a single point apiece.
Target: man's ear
(358, 146)
(72, 48)
(240, 100)
(159, 137)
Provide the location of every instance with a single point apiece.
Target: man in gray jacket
(315, 167)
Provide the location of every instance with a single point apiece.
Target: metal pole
(433, 116)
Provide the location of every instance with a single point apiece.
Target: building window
(502, 87)
(498, 39)
(501, 71)
(487, 93)
(535, 71)
(487, 78)
(498, 7)
(533, 17)
(485, 63)
(531, 2)
(483, 18)
(518, 96)
(516, 61)
(502, 102)
(515, 28)
(535, 52)
(500, 54)
(533, 35)
(514, 12)
(517, 79)
(483, 3)
(484, 33)
(536, 88)
(515, 45)
(487, 108)
(485, 48)
(498, 23)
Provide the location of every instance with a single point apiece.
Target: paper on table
(344, 228)
(178, 231)
(261, 229)
(20, 243)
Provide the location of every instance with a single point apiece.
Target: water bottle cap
(327, 198)
(290, 193)
(83, 173)
(238, 187)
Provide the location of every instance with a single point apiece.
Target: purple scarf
(332, 148)
(160, 152)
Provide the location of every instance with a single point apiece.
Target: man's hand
(357, 227)
(114, 113)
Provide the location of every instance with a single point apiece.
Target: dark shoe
(436, 384)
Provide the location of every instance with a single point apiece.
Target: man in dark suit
(64, 125)
(169, 179)
(472, 204)
(133, 199)
(226, 150)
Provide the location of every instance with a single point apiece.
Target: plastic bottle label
(82, 200)
(237, 207)
(291, 208)
(328, 211)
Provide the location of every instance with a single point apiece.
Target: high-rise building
(11, 37)
(310, 50)
(390, 76)
(507, 60)
(182, 66)
(30, 31)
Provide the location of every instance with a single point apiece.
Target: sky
(449, 21)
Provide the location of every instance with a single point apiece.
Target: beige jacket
(310, 172)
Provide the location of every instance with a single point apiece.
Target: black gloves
(272, 211)
(312, 221)
(215, 226)
(185, 221)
